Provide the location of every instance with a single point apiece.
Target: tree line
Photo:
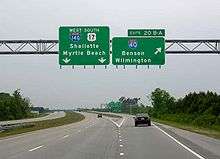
(14, 106)
(196, 108)
(201, 109)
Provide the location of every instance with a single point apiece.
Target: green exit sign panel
(146, 32)
(138, 51)
(84, 45)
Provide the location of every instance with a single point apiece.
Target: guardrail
(13, 126)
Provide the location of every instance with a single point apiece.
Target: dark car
(99, 116)
(142, 119)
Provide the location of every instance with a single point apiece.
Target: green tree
(14, 106)
(162, 102)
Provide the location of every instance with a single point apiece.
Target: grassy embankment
(213, 131)
(70, 117)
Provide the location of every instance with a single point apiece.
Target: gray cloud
(40, 77)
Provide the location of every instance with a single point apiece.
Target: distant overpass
(49, 47)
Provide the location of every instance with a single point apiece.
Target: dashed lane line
(38, 147)
(121, 154)
(65, 136)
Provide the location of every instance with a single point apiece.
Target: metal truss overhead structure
(16, 47)
(192, 46)
(48, 47)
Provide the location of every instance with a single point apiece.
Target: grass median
(211, 132)
(70, 117)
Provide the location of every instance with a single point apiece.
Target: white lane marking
(121, 154)
(120, 140)
(121, 122)
(65, 136)
(36, 148)
(113, 122)
(79, 130)
(121, 145)
(119, 136)
(184, 146)
(118, 125)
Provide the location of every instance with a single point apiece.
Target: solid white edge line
(36, 148)
(178, 142)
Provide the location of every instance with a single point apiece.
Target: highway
(101, 138)
(53, 115)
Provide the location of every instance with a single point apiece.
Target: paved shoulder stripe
(184, 146)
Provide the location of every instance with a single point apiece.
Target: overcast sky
(40, 78)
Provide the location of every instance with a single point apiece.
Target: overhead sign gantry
(90, 45)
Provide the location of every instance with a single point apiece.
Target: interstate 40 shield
(86, 45)
(138, 51)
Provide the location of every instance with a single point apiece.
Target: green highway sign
(84, 45)
(138, 51)
(114, 107)
(146, 32)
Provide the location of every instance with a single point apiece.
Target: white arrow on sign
(158, 50)
(66, 60)
(102, 60)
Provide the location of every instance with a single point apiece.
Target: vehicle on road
(99, 115)
(142, 119)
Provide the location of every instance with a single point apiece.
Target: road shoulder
(201, 144)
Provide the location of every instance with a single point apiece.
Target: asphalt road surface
(97, 138)
(54, 115)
